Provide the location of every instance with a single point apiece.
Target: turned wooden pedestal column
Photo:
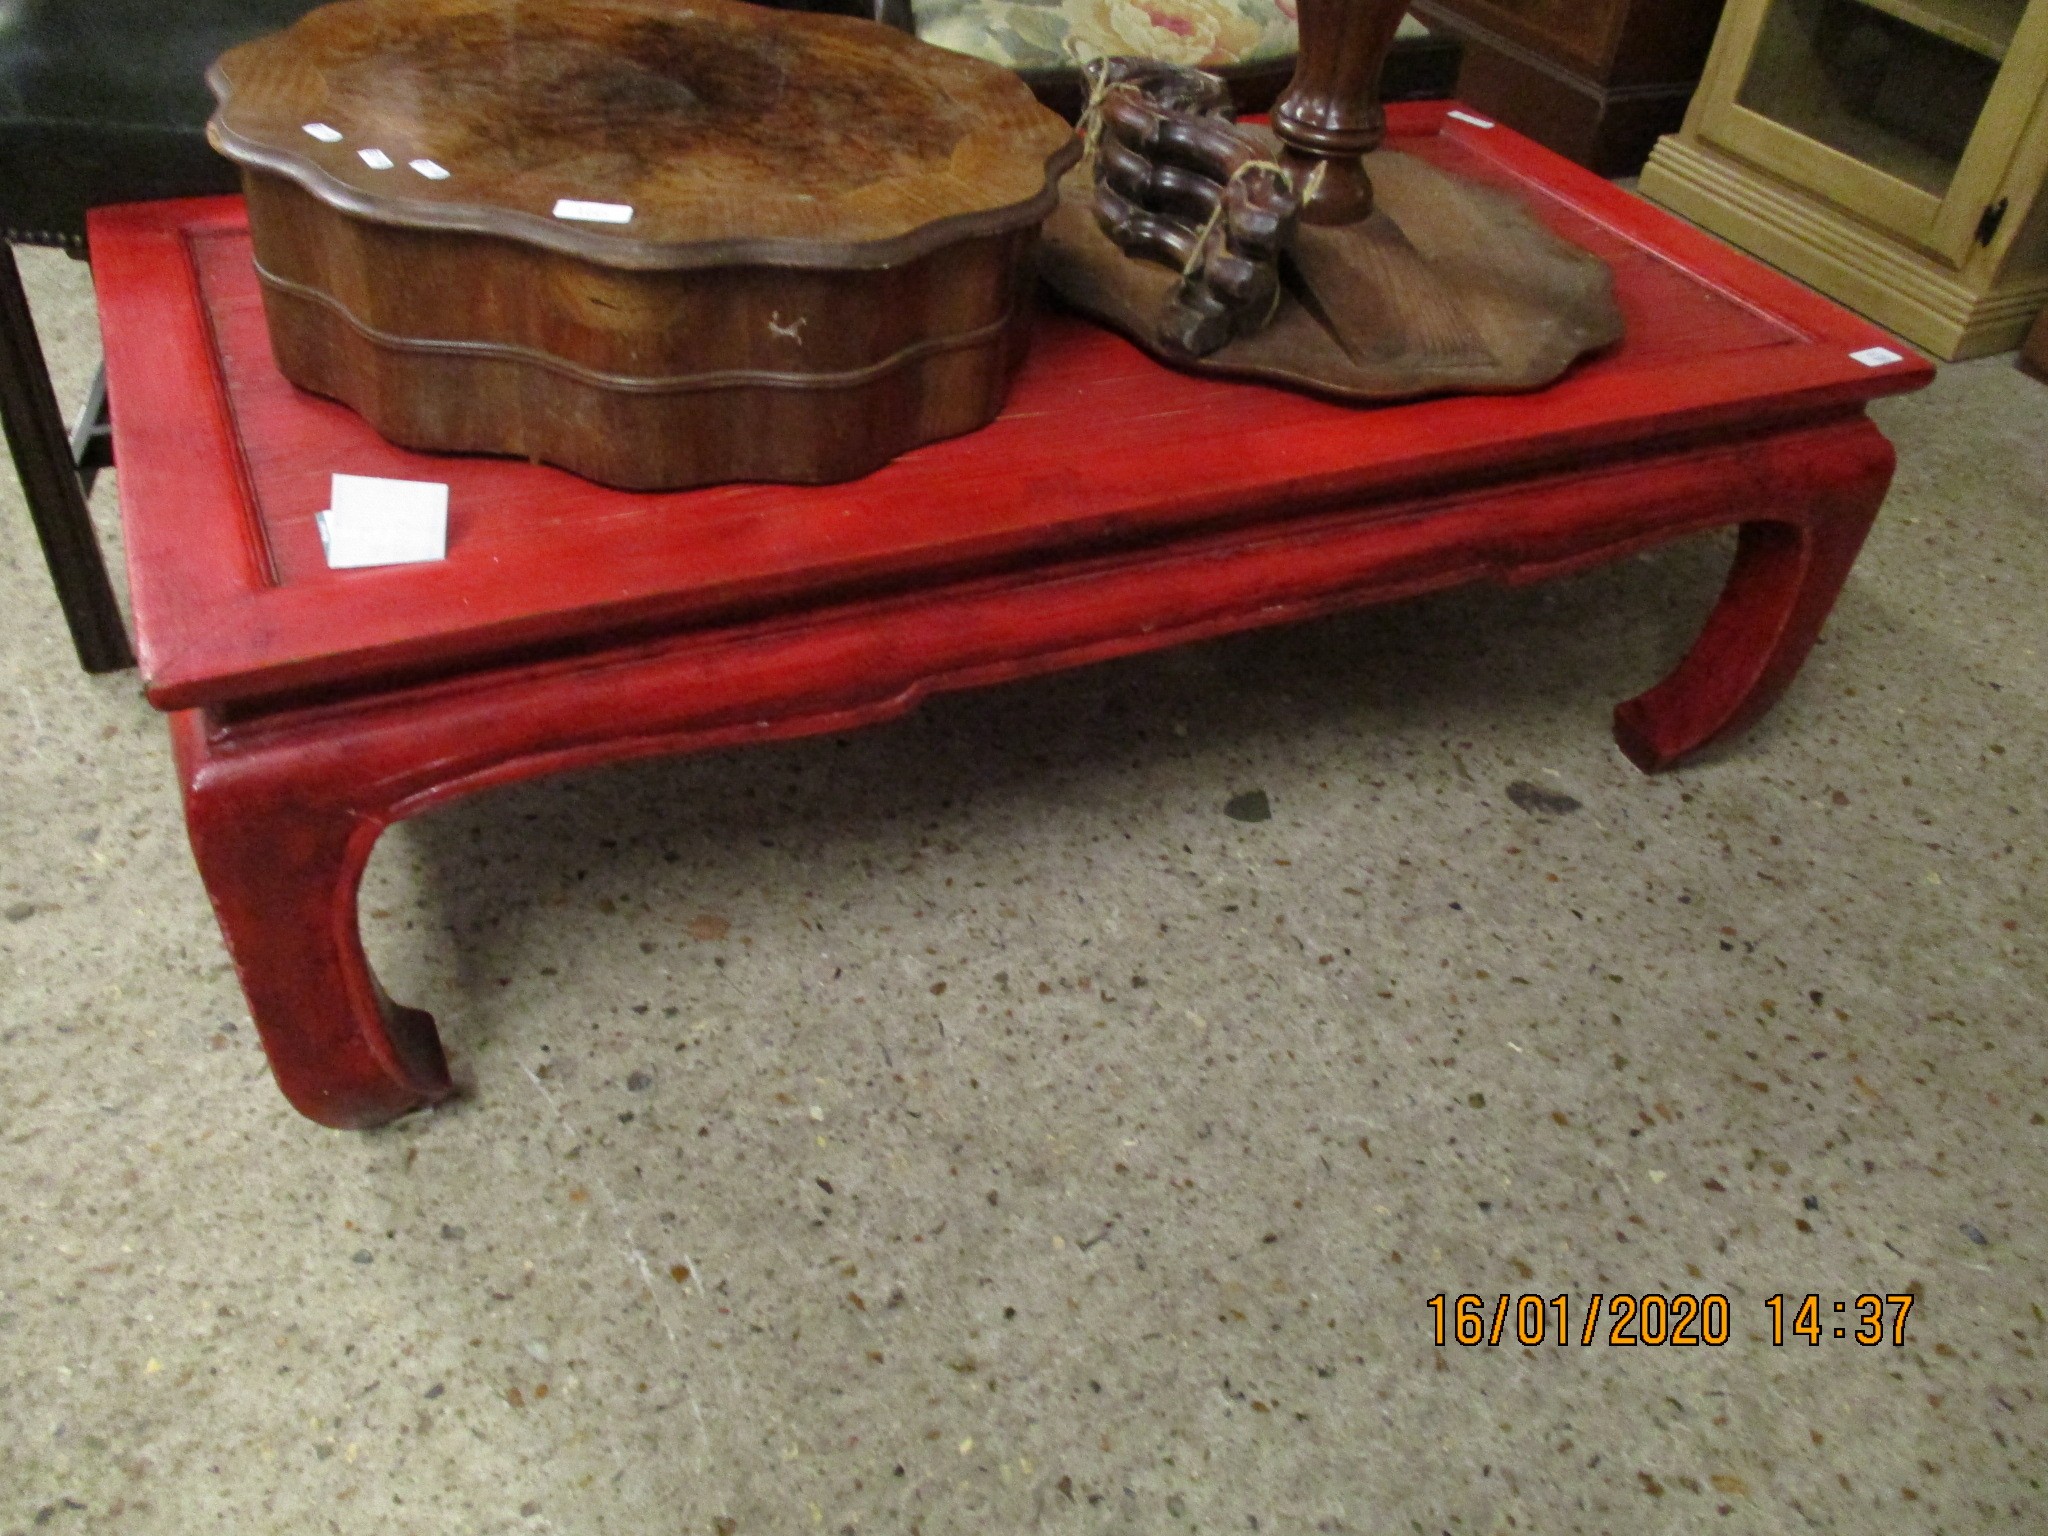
(1330, 116)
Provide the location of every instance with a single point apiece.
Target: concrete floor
(969, 1126)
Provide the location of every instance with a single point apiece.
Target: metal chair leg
(49, 479)
(92, 435)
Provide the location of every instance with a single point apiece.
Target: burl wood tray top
(658, 242)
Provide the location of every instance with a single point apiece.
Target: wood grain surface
(732, 132)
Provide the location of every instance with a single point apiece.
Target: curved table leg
(284, 807)
(282, 870)
(1788, 571)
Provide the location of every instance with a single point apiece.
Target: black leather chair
(101, 101)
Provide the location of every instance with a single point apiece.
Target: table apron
(393, 755)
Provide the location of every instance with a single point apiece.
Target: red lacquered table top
(223, 464)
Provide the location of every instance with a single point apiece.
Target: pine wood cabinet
(1595, 80)
(1889, 152)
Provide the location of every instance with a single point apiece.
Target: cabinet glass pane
(1897, 84)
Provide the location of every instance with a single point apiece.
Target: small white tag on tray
(594, 213)
(384, 522)
(1877, 357)
(1467, 117)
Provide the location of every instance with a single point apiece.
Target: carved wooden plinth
(1273, 254)
(1447, 286)
(659, 242)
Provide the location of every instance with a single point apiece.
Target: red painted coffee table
(1115, 507)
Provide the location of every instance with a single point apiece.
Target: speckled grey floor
(967, 1126)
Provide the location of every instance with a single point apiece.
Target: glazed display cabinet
(1888, 152)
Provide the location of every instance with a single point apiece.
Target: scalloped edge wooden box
(639, 363)
(937, 344)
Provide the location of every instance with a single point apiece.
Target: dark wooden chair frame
(57, 469)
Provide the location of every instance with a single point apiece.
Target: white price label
(371, 521)
(594, 213)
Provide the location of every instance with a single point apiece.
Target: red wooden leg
(282, 868)
(1788, 571)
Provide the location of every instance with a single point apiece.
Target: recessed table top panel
(641, 132)
(224, 464)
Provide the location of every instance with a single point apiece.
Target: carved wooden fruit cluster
(1176, 181)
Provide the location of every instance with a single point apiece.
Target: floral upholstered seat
(1055, 34)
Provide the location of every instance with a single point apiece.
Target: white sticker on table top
(1467, 117)
(371, 521)
(375, 159)
(594, 213)
(1877, 357)
(431, 169)
(324, 133)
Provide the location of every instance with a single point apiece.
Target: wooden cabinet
(1888, 152)
(1595, 80)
